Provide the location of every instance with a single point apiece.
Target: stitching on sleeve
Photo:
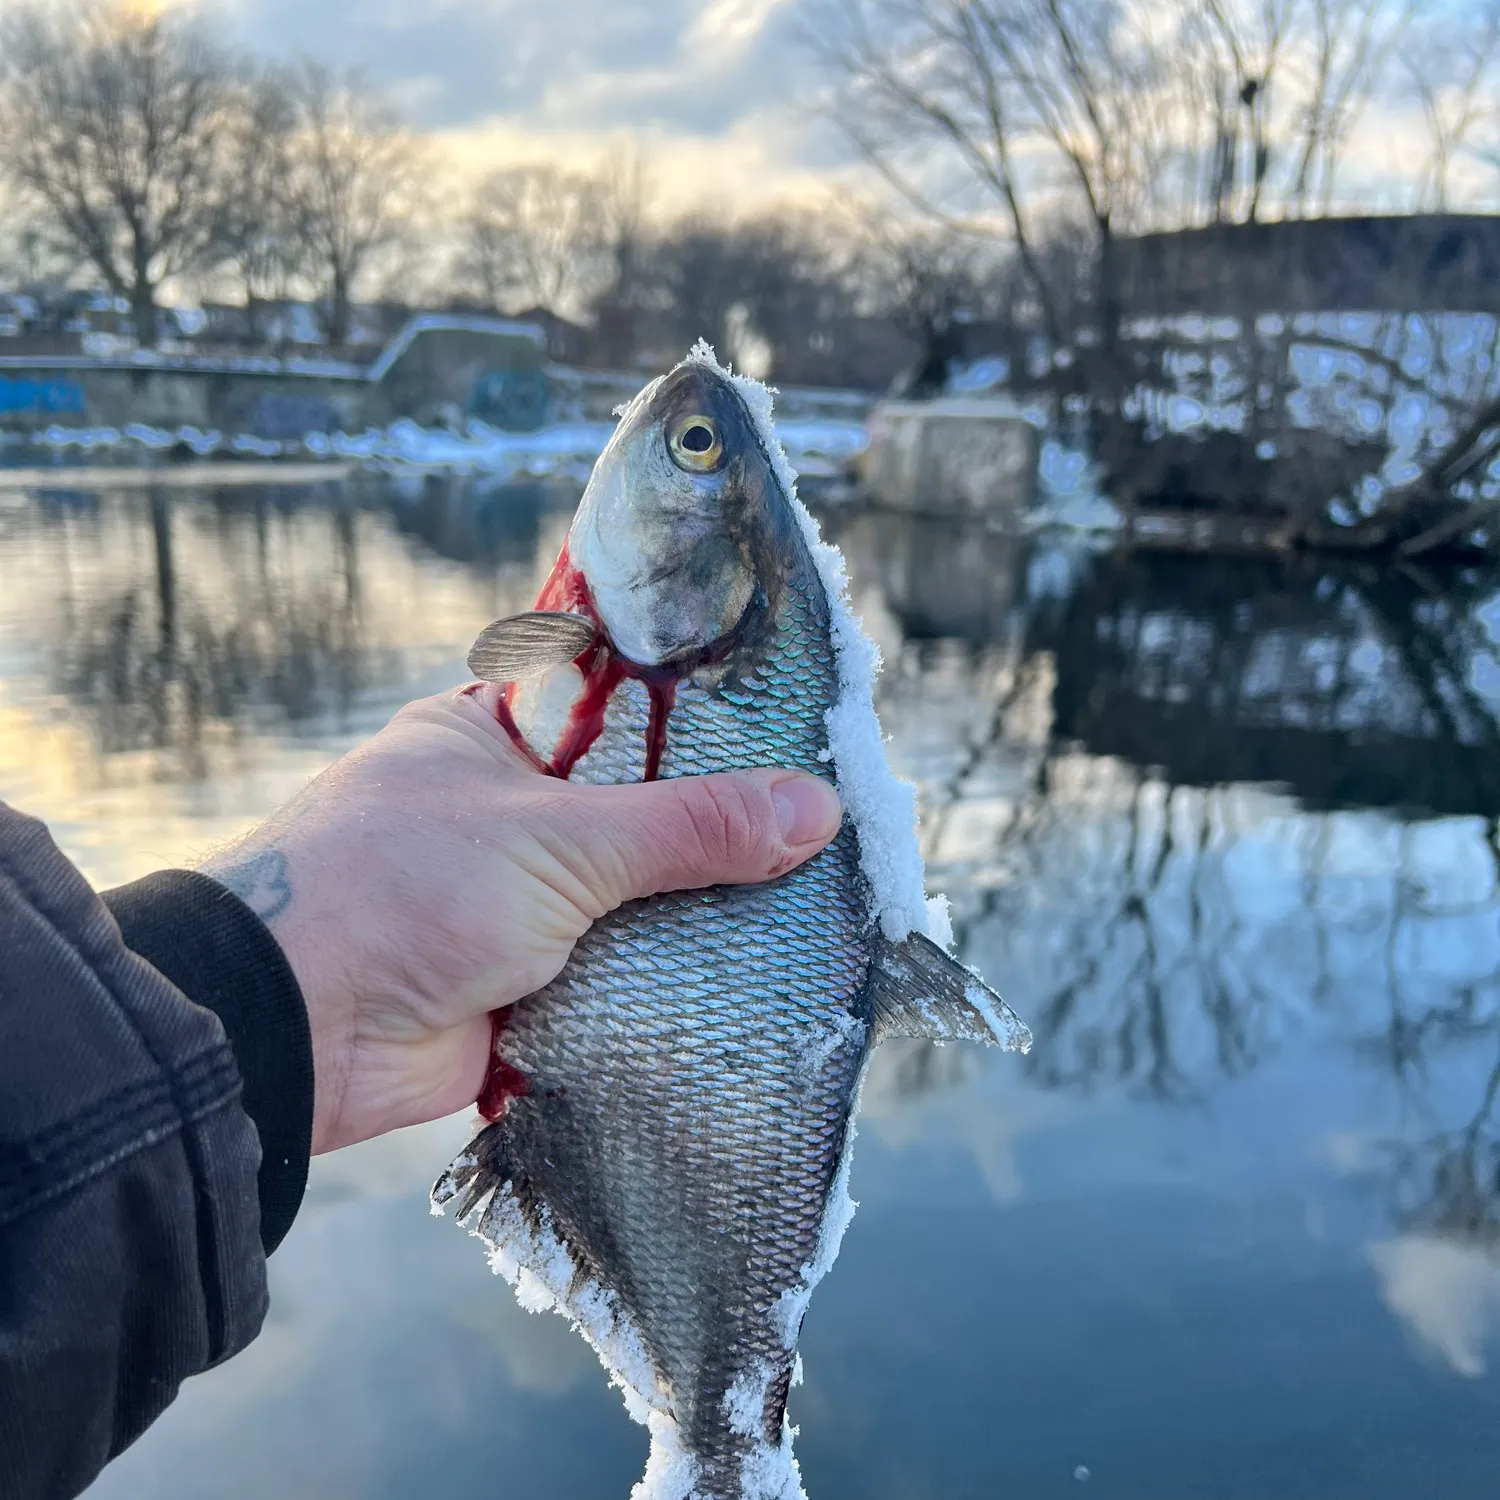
(174, 1099)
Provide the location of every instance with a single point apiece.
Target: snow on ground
(821, 448)
(1408, 381)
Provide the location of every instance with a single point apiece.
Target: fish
(667, 1151)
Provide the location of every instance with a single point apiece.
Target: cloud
(1446, 1295)
(712, 87)
(916, 1094)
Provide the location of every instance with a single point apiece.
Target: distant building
(567, 342)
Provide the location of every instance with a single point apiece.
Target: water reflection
(484, 522)
(1204, 818)
(169, 660)
(175, 626)
(1226, 834)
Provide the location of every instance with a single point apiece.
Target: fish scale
(697, 1094)
(668, 1164)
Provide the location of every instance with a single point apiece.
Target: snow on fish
(671, 1118)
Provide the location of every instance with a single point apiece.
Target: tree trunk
(1107, 294)
(143, 314)
(338, 309)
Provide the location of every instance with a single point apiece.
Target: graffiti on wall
(515, 400)
(294, 416)
(25, 393)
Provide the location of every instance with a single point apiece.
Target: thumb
(733, 828)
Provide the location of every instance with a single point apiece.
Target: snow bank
(568, 449)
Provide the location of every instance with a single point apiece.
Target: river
(1225, 835)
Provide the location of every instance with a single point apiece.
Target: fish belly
(688, 1083)
(671, 1152)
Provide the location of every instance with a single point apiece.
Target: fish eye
(695, 444)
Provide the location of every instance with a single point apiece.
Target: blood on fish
(508, 723)
(662, 686)
(504, 1081)
(603, 672)
(567, 589)
(603, 669)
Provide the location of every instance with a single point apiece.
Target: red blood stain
(504, 1081)
(567, 589)
(603, 670)
(662, 686)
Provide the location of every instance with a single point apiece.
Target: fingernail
(807, 809)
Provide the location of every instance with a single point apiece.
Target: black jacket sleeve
(130, 1219)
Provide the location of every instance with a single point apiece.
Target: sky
(719, 90)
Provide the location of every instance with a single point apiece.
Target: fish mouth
(604, 668)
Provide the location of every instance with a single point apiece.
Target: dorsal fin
(918, 990)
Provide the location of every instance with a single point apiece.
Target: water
(1224, 834)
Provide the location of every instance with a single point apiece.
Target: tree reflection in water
(1195, 813)
(255, 609)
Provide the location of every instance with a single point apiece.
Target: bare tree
(917, 80)
(1036, 105)
(1255, 35)
(112, 127)
(258, 231)
(532, 237)
(354, 182)
(927, 280)
(1451, 72)
(1352, 44)
(623, 207)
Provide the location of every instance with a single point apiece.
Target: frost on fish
(674, 1114)
(882, 807)
(546, 1278)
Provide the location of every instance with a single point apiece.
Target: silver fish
(672, 1115)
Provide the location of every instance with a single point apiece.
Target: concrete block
(964, 457)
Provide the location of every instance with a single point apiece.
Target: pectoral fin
(524, 645)
(918, 990)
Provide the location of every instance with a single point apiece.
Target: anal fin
(918, 990)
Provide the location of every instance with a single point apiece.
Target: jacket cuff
(209, 944)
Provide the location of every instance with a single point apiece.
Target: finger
(734, 828)
(473, 712)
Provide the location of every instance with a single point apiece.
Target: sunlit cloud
(714, 90)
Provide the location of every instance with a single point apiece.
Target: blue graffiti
(516, 400)
(21, 394)
(282, 416)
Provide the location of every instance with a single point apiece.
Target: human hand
(432, 875)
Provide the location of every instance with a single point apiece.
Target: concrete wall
(954, 457)
(1400, 263)
(441, 369)
(436, 370)
(83, 394)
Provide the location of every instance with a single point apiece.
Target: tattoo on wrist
(262, 882)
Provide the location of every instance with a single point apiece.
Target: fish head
(685, 535)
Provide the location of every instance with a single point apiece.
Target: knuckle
(725, 818)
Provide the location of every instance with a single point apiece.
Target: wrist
(221, 957)
(274, 882)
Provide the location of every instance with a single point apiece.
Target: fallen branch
(1467, 519)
